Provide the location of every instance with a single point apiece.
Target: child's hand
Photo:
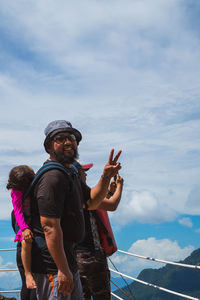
(27, 235)
(112, 186)
(119, 180)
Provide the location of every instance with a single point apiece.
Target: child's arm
(17, 205)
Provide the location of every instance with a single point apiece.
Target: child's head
(20, 178)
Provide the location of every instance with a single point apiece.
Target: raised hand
(112, 167)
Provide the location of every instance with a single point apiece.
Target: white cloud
(192, 202)
(185, 222)
(127, 77)
(160, 249)
(142, 207)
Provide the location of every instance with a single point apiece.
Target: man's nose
(67, 141)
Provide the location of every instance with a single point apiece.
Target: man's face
(63, 147)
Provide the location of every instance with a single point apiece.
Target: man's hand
(27, 235)
(65, 283)
(112, 167)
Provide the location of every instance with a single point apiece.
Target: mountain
(179, 279)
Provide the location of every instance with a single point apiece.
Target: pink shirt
(18, 212)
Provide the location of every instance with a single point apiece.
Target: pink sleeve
(17, 205)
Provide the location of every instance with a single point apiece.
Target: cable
(5, 270)
(116, 296)
(156, 287)
(122, 278)
(121, 290)
(11, 291)
(162, 261)
(13, 249)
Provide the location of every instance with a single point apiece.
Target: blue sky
(126, 74)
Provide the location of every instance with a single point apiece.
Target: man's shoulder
(53, 177)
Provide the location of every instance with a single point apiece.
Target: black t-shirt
(57, 195)
(87, 244)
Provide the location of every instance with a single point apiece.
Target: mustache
(62, 158)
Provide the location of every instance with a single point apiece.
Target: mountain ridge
(179, 279)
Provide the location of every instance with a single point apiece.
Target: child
(19, 180)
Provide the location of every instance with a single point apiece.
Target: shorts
(95, 275)
(48, 289)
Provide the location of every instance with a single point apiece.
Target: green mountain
(179, 279)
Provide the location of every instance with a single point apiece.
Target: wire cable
(116, 296)
(160, 260)
(11, 291)
(13, 249)
(121, 290)
(122, 278)
(155, 286)
(5, 270)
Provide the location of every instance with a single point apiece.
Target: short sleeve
(51, 193)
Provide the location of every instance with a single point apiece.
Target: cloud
(185, 222)
(126, 77)
(142, 206)
(193, 203)
(161, 249)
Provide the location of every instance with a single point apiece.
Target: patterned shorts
(95, 275)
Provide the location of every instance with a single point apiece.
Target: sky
(126, 74)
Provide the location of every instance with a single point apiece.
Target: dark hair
(20, 178)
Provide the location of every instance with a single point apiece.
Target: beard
(67, 159)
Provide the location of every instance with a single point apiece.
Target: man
(91, 258)
(57, 214)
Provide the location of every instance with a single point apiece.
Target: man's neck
(64, 164)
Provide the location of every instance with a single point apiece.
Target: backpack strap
(46, 167)
(77, 173)
(75, 169)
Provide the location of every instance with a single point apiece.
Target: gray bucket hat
(57, 126)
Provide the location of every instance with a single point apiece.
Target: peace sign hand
(112, 167)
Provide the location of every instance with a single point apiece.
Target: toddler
(19, 180)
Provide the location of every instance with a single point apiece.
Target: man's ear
(49, 146)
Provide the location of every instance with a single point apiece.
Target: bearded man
(57, 214)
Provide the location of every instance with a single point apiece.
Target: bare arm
(99, 192)
(111, 202)
(54, 239)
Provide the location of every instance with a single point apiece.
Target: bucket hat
(57, 126)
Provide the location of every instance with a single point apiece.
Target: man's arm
(111, 202)
(54, 239)
(99, 192)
